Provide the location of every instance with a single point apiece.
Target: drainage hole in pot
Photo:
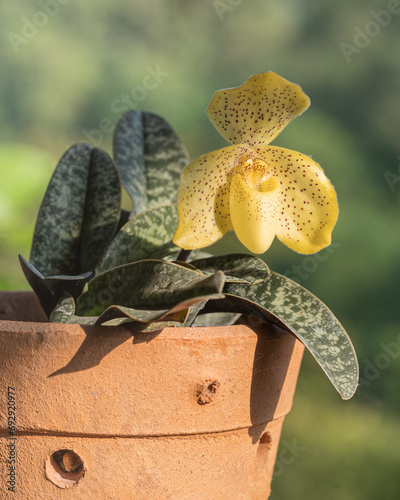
(264, 446)
(64, 468)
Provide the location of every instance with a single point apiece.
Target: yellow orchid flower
(257, 190)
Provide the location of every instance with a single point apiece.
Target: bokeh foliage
(70, 82)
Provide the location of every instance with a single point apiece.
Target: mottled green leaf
(147, 284)
(199, 254)
(83, 320)
(64, 309)
(79, 213)
(165, 158)
(55, 247)
(128, 154)
(194, 311)
(188, 265)
(216, 319)
(102, 209)
(150, 158)
(240, 268)
(146, 236)
(284, 302)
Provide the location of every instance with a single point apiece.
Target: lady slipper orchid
(255, 189)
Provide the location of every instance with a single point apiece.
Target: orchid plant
(93, 262)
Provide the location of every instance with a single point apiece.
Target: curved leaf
(124, 218)
(83, 320)
(79, 213)
(140, 315)
(216, 319)
(240, 268)
(49, 290)
(142, 327)
(128, 154)
(150, 158)
(55, 246)
(102, 209)
(70, 284)
(64, 310)
(195, 309)
(146, 236)
(37, 281)
(289, 305)
(176, 315)
(147, 284)
(165, 158)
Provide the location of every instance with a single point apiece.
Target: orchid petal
(254, 209)
(203, 198)
(308, 203)
(257, 111)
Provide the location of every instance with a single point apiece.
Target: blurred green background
(69, 69)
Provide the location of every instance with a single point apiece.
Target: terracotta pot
(107, 413)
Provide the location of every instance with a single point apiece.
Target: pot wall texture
(106, 412)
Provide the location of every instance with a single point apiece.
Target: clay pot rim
(198, 334)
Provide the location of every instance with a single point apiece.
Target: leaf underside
(149, 321)
(49, 290)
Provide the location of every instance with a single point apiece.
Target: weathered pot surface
(105, 412)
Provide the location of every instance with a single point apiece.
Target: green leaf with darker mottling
(128, 154)
(146, 236)
(55, 246)
(147, 284)
(102, 209)
(216, 319)
(79, 213)
(194, 311)
(292, 307)
(165, 158)
(150, 158)
(83, 320)
(240, 268)
(64, 310)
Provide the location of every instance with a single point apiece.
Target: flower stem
(184, 255)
